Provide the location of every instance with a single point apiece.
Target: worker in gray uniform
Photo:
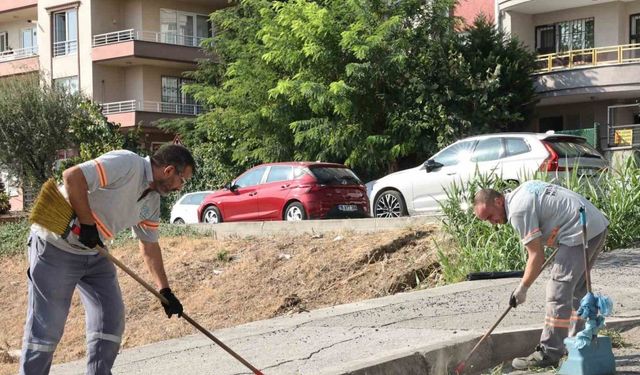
(545, 214)
(115, 191)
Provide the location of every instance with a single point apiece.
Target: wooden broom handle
(186, 317)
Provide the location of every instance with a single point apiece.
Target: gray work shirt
(116, 181)
(539, 209)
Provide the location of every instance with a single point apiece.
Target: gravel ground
(627, 358)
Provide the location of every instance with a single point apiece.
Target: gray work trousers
(53, 276)
(565, 289)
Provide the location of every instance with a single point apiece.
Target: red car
(288, 191)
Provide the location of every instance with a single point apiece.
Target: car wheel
(389, 204)
(211, 215)
(295, 212)
(178, 221)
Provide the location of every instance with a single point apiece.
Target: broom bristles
(51, 210)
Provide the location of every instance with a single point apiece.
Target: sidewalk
(400, 334)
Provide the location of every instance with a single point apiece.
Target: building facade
(128, 55)
(588, 64)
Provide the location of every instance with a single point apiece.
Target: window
(545, 39)
(565, 36)
(280, 173)
(4, 41)
(488, 149)
(174, 100)
(184, 28)
(69, 84)
(634, 29)
(65, 32)
(334, 175)
(516, 146)
(455, 153)
(194, 199)
(29, 38)
(251, 178)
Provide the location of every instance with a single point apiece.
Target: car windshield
(573, 148)
(335, 176)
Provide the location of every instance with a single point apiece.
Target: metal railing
(149, 106)
(19, 53)
(147, 36)
(621, 54)
(66, 47)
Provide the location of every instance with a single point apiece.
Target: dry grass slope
(224, 283)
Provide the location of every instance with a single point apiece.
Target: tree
(375, 84)
(37, 120)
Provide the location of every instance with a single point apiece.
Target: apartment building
(588, 64)
(128, 55)
(468, 10)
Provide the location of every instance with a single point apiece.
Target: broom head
(51, 210)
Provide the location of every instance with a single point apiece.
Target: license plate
(347, 207)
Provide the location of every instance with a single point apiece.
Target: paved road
(343, 339)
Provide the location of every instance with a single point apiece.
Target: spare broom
(54, 213)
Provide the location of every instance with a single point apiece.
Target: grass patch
(617, 340)
(13, 238)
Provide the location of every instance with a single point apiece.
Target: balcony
(129, 46)
(13, 5)
(588, 74)
(19, 61)
(545, 6)
(132, 112)
(601, 56)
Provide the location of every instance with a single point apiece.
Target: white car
(185, 210)
(418, 190)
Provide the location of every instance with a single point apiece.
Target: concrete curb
(261, 228)
(442, 358)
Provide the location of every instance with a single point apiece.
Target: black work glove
(89, 236)
(174, 306)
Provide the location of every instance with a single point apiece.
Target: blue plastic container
(594, 359)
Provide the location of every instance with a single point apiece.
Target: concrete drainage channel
(441, 359)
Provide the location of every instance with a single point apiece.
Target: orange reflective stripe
(102, 175)
(556, 323)
(101, 227)
(148, 224)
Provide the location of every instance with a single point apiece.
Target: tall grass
(478, 246)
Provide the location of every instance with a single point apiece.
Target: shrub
(5, 206)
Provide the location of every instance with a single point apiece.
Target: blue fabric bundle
(590, 306)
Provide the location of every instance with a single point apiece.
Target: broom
(54, 213)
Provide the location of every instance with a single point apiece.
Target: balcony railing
(149, 106)
(148, 36)
(66, 47)
(622, 54)
(20, 53)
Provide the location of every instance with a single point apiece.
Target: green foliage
(351, 81)
(223, 256)
(36, 120)
(13, 237)
(5, 206)
(479, 246)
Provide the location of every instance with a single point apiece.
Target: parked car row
(314, 190)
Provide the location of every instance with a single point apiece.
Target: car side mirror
(430, 165)
(231, 186)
